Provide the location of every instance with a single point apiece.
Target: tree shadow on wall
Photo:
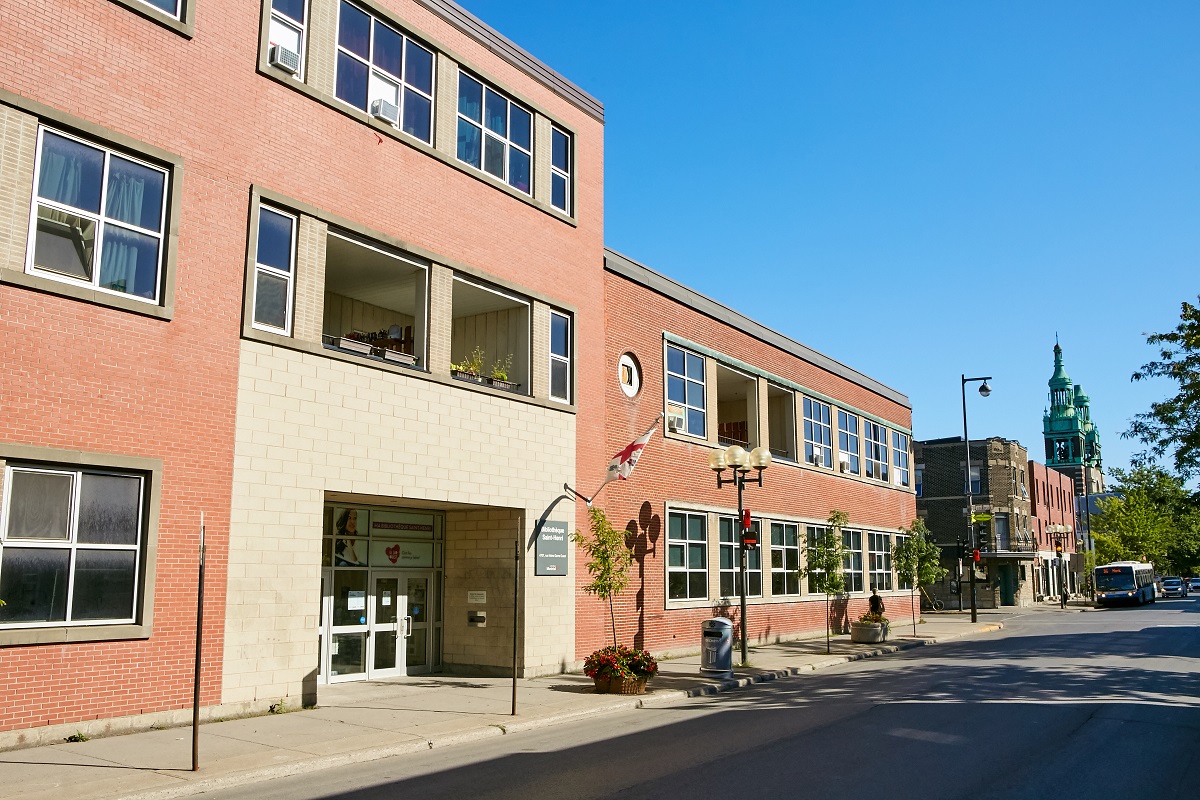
(839, 614)
(642, 535)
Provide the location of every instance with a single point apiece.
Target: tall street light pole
(741, 462)
(984, 390)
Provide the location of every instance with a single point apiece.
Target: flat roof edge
(639, 273)
(516, 55)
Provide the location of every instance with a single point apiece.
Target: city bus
(1128, 582)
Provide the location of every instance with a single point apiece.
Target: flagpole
(607, 480)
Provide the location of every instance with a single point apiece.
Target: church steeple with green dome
(1072, 439)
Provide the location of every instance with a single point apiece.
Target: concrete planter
(867, 632)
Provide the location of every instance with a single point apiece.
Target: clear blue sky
(916, 189)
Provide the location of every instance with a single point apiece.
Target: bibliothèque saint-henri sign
(550, 551)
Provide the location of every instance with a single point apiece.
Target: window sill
(72, 633)
(185, 27)
(50, 286)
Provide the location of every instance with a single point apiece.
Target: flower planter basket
(353, 345)
(398, 356)
(620, 685)
(507, 386)
(470, 377)
(867, 632)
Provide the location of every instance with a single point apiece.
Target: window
(920, 478)
(814, 531)
(376, 65)
(876, 450)
(731, 562)
(880, 560)
(974, 486)
(629, 374)
(687, 557)
(274, 266)
(98, 218)
(900, 457)
(818, 441)
(848, 441)
(685, 391)
(169, 6)
(852, 560)
(560, 169)
(785, 559)
(494, 133)
(560, 356)
(900, 540)
(71, 546)
(288, 26)
(781, 422)
(491, 327)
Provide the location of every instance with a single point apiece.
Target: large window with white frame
(900, 457)
(814, 532)
(685, 391)
(560, 356)
(384, 72)
(901, 583)
(274, 270)
(848, 442)
(560, 169)
(687, 556)
(785, 559)
(852, 560)
(729, 530)
(495, 134)
(879, 554)
(288, 29)
(818, 438)
(876, 450)
(71, 545)
(98, 219)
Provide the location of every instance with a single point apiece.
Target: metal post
(199, 642)
(741, 482)
(516, 607)
(970, 504)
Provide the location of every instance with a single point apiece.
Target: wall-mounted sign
(550, 551)
(476, 597)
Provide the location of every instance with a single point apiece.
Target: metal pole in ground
(199, 643)
(516, 606)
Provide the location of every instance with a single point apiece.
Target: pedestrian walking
(876, 602)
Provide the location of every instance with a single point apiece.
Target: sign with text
(550, 551)
(401, 554)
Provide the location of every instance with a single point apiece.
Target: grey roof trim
(504, 47)
(656, 281)
(730, 361)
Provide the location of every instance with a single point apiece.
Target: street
(1057, 705)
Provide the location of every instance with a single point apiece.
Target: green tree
(1153, 517)
(823, 562)
(1172, 426)
(609, 560)
(918, 561)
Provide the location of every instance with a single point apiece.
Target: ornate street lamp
(735, 458)
(984, 390)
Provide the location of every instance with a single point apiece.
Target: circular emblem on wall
(629, 374)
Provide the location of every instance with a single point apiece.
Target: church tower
(1072, 439)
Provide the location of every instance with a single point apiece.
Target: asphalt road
(1097, 705)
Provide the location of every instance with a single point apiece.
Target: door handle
(408, 626)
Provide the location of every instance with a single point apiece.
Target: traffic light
(1058, 549)
(983, 536)
(749, 533)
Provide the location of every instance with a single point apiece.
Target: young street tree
(918, 561)
(823, 562)
(609, 559)
(1172, 427)
(1153, 517)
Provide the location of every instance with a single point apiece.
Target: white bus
(1128, 582)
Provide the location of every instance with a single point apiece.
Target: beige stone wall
(18, 140)
(307, 425)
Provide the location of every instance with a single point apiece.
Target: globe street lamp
(740, 462)
(984, 390)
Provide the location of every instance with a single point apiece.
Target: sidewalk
(369, 720)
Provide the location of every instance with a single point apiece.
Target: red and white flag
(622, 463)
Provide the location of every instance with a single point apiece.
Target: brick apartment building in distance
(241, 246)
(839, 439)
(1030, 504)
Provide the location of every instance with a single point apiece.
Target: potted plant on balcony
(617, 669)
(500, 374)
(470, 368)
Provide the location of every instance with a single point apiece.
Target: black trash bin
(716, 646)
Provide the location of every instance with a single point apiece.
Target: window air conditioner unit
(816, 457)
(285, 59)
(675, 419)
(844, 463)
(388, 112)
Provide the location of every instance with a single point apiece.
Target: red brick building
(247, 254)
(839, 439)
(1052, 522)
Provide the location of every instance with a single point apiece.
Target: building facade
(839, 441)
(325, 274)
(1054, 524)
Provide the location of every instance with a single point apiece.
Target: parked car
(1194, 584)
(1174, 587)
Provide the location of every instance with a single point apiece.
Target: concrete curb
(659, 699)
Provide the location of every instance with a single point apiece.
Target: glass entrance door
(348, 628)
(390, 625)
(418, 645)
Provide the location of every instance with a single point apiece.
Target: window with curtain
(71, 546)
(377, 62)
(494, 134)
(98, 217)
